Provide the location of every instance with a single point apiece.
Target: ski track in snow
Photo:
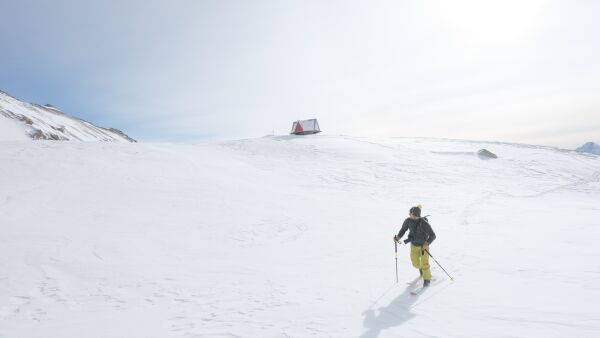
(291, 237)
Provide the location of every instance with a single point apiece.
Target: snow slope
(21, 120)
(292, 237)
(12, 130)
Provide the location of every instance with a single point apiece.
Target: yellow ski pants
(420, 260)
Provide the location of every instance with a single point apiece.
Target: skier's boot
(421, 272)
(426, 283)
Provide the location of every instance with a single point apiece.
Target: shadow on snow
(396, 313)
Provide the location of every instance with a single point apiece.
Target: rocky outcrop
(46, 122)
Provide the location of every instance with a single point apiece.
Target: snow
(11, 130)
(590, 147)
(291, 236)
(46, 122)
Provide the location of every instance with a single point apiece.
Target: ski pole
(396, 251)
(436, 262)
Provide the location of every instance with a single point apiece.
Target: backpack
(410, 237)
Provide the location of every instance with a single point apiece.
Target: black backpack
(409, 238)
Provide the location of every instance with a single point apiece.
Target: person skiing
(420, 236)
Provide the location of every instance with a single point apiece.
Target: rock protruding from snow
(46, 122)
(486, 154)
(589, 147)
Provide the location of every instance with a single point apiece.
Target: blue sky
(519, 71)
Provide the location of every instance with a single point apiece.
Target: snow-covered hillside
(21, 120)
(590, 147)
(292, 237)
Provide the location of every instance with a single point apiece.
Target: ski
(418, 291)
(414, 281)
(422, 288)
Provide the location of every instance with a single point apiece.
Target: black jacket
(420, 231)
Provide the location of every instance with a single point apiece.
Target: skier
(420, 236)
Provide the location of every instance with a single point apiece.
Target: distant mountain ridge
(22, 120)
(590, 147)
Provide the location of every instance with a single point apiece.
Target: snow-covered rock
(21, 120)
(590, 147)
(292, 237)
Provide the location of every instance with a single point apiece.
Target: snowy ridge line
(373, 140)
(589, 147)
(45, 122)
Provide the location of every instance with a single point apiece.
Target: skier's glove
(396, 238)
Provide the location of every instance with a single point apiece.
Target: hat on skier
(416, 210)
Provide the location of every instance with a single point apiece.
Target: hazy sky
(510, 70)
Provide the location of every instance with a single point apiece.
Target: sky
(522, 71)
